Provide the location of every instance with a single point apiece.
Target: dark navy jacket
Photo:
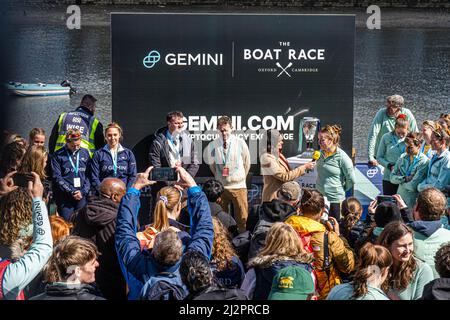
(142, 265)
(63, 173)
(231, 277)
(102, 166)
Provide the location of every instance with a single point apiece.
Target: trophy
(308, 128)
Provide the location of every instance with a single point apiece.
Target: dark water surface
(410, 56)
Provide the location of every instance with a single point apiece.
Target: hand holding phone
(21, 179)
(164, 174)
(385, 198)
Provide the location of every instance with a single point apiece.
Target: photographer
(331, 251)
(16, 275)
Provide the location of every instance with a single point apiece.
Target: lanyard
(172, 147)
(411, 166)
(226, 156)
(114, 159)
(75, 168)
(395, 142)
(422, 150)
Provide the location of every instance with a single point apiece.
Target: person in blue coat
(167, 250)
(113, 160)
(70, 183)
(391, 147)
(438, 174)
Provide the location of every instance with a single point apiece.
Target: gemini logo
(151, 59)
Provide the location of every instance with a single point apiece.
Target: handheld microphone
(316, 155)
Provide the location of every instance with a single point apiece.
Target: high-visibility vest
(87, 127)
(3, 265)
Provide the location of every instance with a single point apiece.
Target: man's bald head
(113, 188)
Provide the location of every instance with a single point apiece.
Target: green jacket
(438, 174)
(345, 292)
(417, 168)
(383, 124)
(391, 147)
(335, 175)
(426, 247)
(422, 276)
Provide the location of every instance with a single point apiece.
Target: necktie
(224, 144)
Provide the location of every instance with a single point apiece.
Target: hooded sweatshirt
(65, 291)
(269, 213)
(428, 238)
(438, 289)
(97, 222)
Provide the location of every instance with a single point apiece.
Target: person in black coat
(171, 147)
(277, 210)
(213, 190)
(97, 222)
(70, 272)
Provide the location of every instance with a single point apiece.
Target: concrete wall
(296, 3)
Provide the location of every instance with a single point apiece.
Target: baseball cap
(291, 190)
(292, 283)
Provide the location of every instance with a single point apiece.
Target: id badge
(225, 172)
(77, 182)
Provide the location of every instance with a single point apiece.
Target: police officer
(82, 119)
(113, 160)
(70, 184)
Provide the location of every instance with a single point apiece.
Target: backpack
(261, 230)
(306, 241)
(3, 265)
(164, 286)
(219, 293)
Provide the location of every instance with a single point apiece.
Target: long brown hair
(15, 214)
(168, 198)
(370, 257)
(351, 212)
(400, 276)
(283, 241)
(33, 160)
(70, 252)
(222, 251)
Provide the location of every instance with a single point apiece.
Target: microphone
(316, 155)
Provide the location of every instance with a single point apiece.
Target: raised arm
(127, 244)
(20, 273)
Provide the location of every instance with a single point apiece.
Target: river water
(410, 56)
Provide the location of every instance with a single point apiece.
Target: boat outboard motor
(66, 83)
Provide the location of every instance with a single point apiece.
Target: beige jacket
(237, 161)
(276, 172)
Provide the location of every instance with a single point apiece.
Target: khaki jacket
(276, 172)
(341, 255)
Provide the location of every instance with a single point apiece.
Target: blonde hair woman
(167, 210)
(283, 248)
